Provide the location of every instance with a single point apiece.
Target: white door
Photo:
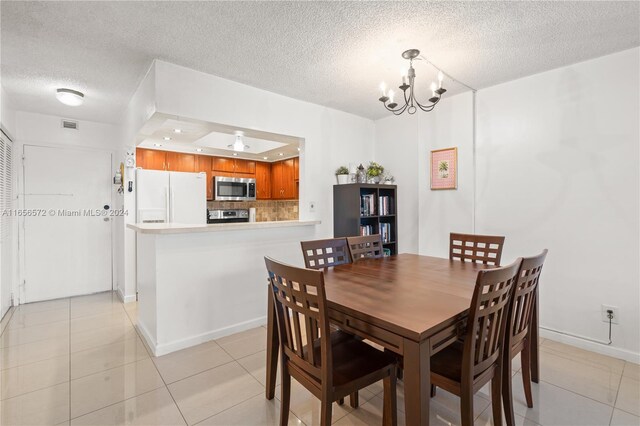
(188, 198)
(67, 237)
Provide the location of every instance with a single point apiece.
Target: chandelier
(411, 104)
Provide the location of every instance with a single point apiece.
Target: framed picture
(444, 168)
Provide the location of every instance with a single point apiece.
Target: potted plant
(342, 173)
(374, 172)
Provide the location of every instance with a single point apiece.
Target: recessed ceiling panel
(222, 141)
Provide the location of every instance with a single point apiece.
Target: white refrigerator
(171, 197)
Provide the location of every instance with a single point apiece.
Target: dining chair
(464, 367)
(331, 365)
(366, 247)
(319, 254)
(518, 330)
(486, 249)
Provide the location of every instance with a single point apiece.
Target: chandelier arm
(428, 108)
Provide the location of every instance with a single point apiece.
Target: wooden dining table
(411, 305)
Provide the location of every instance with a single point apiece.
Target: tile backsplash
(266, 210)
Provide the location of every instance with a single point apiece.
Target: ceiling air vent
(69, 124)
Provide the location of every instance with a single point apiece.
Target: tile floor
(80, 361)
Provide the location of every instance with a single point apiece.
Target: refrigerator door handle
(167, 201)
(173, 200)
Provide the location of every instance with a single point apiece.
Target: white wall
(46, 130)
(7, 114)
(556, 167)
(445, 211)
(557, 158)
(331, 138)
(396, 149)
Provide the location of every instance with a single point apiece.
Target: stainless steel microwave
(234, 189)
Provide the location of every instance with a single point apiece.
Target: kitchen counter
(197, 283)
(177, 228)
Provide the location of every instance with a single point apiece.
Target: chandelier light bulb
(403, 74)
(391, 94)
(433, 89)
(383, 88)
(440, 78)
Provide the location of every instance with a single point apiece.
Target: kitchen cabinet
(283, 177)
(263, 180)
(245, 167)
(151, 159)
(221, 164)
(203, 164)
(240, 168)
(181, 162)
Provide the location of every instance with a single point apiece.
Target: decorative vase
(342, 179)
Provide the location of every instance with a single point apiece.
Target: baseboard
(125, 299)
(591, 346)
(176, 345)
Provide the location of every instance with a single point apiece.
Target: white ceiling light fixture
(157, 145)
(235, 154)
(264, 158)
(70, 97)
(177, 130)
(199, 149)
(281, 154)
(238, 145)
(167, 138)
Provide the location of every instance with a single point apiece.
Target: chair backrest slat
(488, 317)
(319, 254)
(524, 298)
(367, 247)
(486, 249)
(303, 324)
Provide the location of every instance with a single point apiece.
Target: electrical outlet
(312, 206)
(605, 314)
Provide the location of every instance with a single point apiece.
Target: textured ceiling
(329, 53)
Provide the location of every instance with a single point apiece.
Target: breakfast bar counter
(197, 283)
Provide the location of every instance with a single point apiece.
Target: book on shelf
(385, 232)
(384, 205)
(367, 205)
(366, 230)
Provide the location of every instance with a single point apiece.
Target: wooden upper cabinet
(245, 166)
(180, 162)
(288, 179)
(283, 177)
(263, 180)
(203, 164)
(221, 164)
(232, 165)
(296, 167)
(151, 159)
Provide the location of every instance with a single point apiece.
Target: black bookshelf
(358, 205)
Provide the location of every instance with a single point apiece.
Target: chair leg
(466, 407)
(525, 359)
(354, 401)
(507, 392)
(390, 408)
(325, 412)
(496, 398)
(285, 395)
(341, 401)
(433, 391)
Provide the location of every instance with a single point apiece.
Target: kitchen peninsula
(201, 282)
